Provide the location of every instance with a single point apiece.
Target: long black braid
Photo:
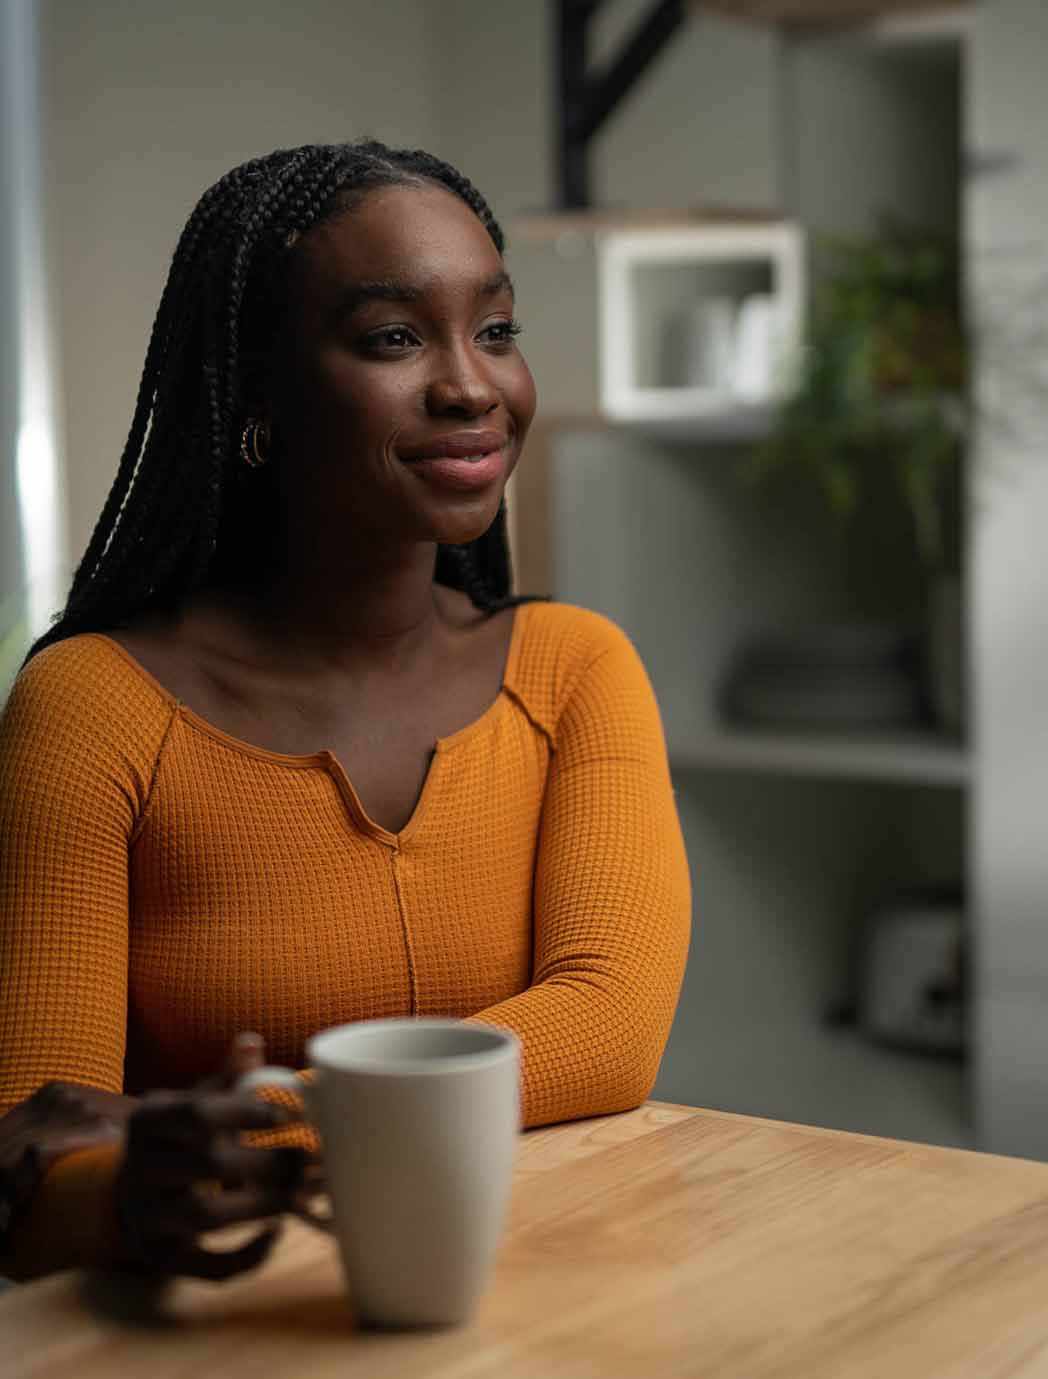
(180, 515)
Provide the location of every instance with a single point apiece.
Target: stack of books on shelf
(843, 677)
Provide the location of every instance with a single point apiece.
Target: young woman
(292, 755)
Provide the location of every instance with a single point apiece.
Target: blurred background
(781, 266)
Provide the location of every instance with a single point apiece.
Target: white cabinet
(699, 326)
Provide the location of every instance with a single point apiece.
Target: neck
(321, 607)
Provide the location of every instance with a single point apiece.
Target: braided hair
(180, 514)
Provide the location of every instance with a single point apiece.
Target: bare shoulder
(155, 642)
(181, 648)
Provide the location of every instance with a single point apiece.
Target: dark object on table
(914, 984)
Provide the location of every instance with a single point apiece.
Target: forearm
(611, 902)
(592, 1040)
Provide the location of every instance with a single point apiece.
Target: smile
(457, 445)
(463, 460)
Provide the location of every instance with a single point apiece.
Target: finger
(190, 1117)
(246, 1052)
(224, 1161)
(211, 1211)
(244, 1111)
(215, 1265)
(170, 1223)
(281, 1167)
(314, 1177)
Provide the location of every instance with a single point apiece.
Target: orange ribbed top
(164, 885)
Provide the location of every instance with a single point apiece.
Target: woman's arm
(70, 797)
(76, 764)
(92, 1176)
(612, 903)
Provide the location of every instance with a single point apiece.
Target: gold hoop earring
(254, 443)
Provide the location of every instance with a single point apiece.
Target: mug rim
(504, 1046)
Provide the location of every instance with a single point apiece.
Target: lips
(458, 445)
(462, 460)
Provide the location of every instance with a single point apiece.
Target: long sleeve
(76, 766)
(75, 772)
(612, 903)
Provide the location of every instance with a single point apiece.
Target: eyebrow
(391, 290)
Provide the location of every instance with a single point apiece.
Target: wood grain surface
(665, 1242)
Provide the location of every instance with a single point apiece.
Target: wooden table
(665, 1242)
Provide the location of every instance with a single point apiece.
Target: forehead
(422, 232)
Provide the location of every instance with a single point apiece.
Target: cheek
(522, 395)
(344, 395)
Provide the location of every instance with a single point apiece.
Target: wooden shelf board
(915, 758)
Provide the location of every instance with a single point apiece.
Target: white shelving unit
(794, 837)
(659, 370)
(797, 839)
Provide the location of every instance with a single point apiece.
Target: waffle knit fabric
(164, 885)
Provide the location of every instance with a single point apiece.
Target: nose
(460, 386)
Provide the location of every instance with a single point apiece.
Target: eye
(391, 339)
(501, 332)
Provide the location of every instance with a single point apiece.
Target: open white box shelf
(676, 307)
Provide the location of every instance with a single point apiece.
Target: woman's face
(401, 401)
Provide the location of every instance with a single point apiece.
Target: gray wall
(1008, 236)
(145, 104)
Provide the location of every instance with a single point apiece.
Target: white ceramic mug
(418, 1120)
(756, 347)
(709, 344)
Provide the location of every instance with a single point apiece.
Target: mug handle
(284, 1077)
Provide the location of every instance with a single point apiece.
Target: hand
(186, 1171)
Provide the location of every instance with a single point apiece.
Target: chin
(460, 528)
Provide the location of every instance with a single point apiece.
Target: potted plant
(879, 405)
